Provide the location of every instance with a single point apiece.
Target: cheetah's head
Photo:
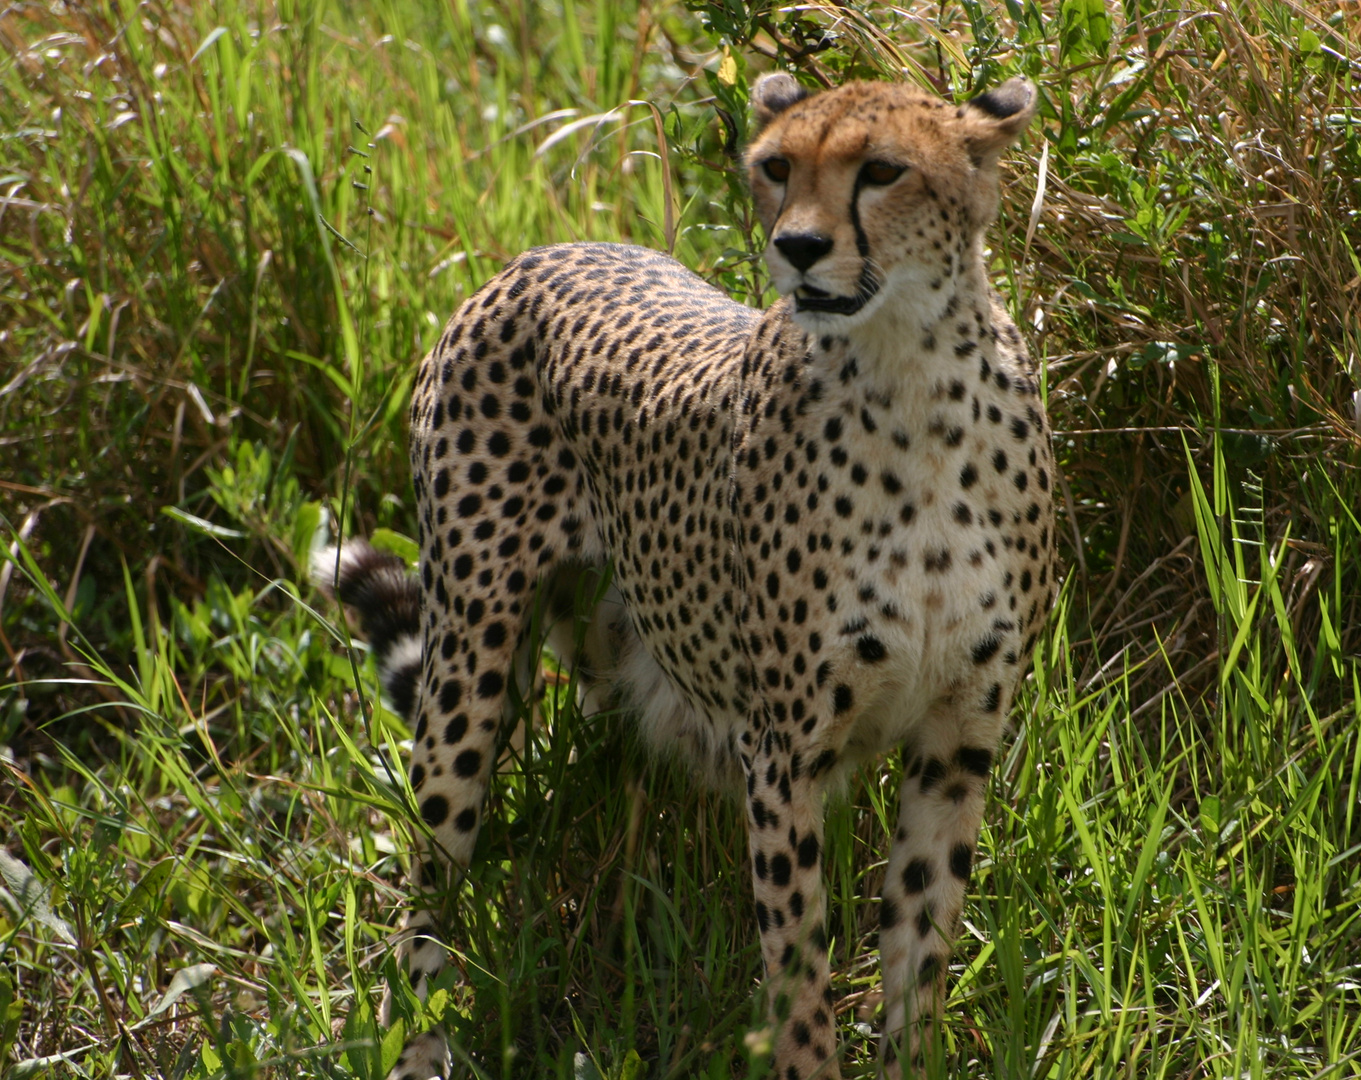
(876, 193)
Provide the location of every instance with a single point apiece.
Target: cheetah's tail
(387, 598)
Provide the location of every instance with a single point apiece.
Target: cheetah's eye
(880, 173)
(777, 169)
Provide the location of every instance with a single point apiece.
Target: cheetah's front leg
(940, 811)
(458, 720)
(784, 818)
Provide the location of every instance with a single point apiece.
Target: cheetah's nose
(803, 249)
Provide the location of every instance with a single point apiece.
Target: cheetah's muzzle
(827, 543)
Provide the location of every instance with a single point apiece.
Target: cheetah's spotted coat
(830, 523)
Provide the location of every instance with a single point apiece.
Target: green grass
(226, 238)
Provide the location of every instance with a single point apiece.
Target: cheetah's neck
(919, 337)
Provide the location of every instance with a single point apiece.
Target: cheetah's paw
(424, 1057)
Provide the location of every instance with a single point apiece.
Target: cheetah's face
(871, 194)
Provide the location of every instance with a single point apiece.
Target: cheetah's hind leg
(585, 625)
(386, 597)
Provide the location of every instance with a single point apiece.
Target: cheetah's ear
(994, 120)
(773, 93)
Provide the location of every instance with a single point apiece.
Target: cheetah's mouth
(811, 298)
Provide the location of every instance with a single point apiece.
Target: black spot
(466, 820)
(924, 920)
(975, 759)
(986, 649)
(495, 635)
(917, 876)
(937, 561)
(780, 869)
(448, 645)
(451, 693)
(435, 810)
(961, 861)
(933, 772)
(468, 763)
(490, 684)
(871, 649)
(808, 851)
(888, 914)
(455, 729)
(968, 476)
(927, 973)
(842, 698)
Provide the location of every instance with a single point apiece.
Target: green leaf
(306, 522)
(1209, 815)
(393, 1042)
(632, 1068)
(146, 895)
(396, 544)
(1086, 26)
(201, 525)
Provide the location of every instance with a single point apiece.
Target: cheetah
(830, 526)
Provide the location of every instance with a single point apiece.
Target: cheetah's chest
(900, 537)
